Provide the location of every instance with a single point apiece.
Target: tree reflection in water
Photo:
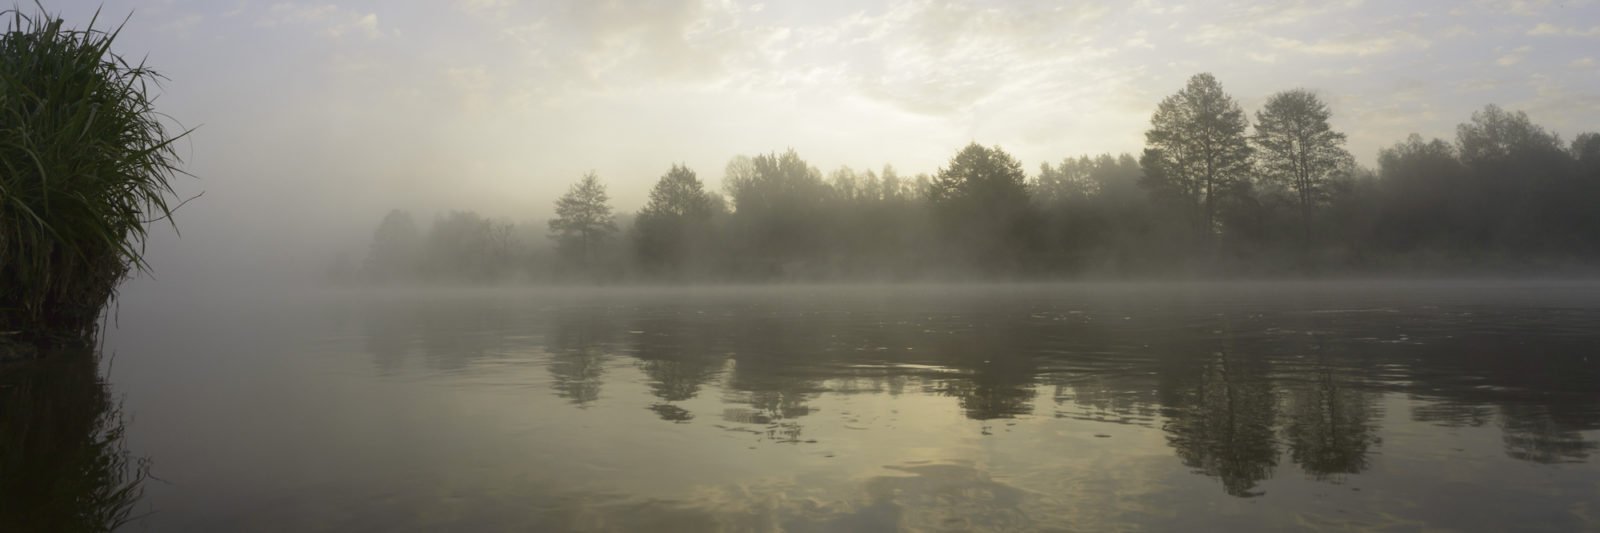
(579, 344)
(1235, 391)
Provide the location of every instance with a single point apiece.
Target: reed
(86, 165)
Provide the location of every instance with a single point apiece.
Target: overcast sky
(315, 117)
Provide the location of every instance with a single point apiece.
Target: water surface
(1468, 406)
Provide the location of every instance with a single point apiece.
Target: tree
(1495, 135)
(462, 245)
(1297, 149)
(774, 182)
(1586, 148)
(1522, 197)
(583, 218)
(982, 196)
(779, 204)
(983, 175)
(1197, 150)
(1424, 194)
(679, 208)
(1066, 182)
(679, 193)
(394, 247)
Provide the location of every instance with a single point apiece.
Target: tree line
(1213, 193)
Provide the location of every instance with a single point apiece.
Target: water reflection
(62, 462)
(674, 349)
(1239, 390)
(1330, 424)
(580, 342)
(1220, 415)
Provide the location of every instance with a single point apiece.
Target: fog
(727, 265)
(315, 120)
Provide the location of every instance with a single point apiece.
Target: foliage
(983, 204)
(667, 230)
(85, 166)
(1197, 149)
(583, 219)
(1506, 193)
(780, 203)
(395, 246)
(1298, 150)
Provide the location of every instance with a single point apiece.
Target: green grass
(86, 165)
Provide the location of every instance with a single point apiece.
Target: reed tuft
(86, 165)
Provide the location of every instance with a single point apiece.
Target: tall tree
(982, 195)
(1519, 172)
(1586, 148)
(1297, 149)
(1425, 202)
(395, 246)
(1197, 151)
(583, 218)
(679, 193)
(779, 202)
(1496, 136)
(462, 245)
(679, 206)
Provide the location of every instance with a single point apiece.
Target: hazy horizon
(316, 118)
(731, 265)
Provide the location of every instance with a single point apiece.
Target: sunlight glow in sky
(346, 109)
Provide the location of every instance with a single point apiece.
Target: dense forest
(1215, 193)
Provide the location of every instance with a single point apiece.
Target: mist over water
(1082, 406)
(892, 265)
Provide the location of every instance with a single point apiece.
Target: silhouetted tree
(463, 245)
(779, 201)
(878, 223)
(1586, 149)
(1507, 193)
(1521, 182)
(395, 246)
(1197, 151)
(583, 219)
(679, 211)
(982, 197)
(1425, 200)
(1297, 149)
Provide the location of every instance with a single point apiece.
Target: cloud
(474, 84)
(1513, 57)
(1526, 8)
(366, 25)
(1456, 31)
(1586, 62)
(487, 7)
(1558, 103)
(940, 58)
(1260, 14)
(287, 12)
(1548, 29)
(1140, 39)
(1351, 46)
(334, 21)
(183, 23)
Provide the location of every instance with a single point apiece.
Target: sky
(312, 119)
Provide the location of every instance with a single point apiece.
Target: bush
(85, 167)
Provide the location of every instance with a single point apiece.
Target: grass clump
(86, 165)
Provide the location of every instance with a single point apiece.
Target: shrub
(85, 167)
